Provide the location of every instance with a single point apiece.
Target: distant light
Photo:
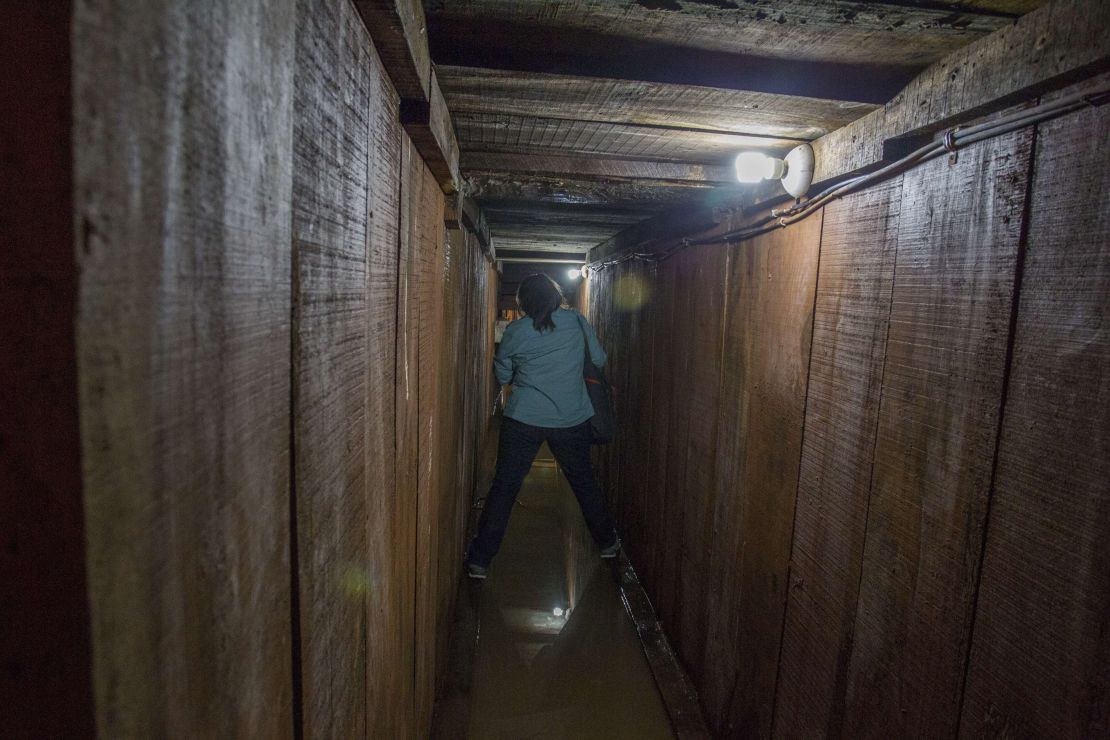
(574, 274)
(557, 611)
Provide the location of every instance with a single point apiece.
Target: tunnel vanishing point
(254, 253)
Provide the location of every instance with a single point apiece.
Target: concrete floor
(557, 656)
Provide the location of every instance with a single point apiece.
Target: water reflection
(558, 657)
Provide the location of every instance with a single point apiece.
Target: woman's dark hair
(539, 296)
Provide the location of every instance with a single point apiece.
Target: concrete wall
(241, 383)
(875, 499)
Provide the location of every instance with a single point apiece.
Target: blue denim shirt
(545, 370)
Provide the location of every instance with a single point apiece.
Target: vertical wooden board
(389, 624)
(780, 282)
(1040, 654)
(675, 496)
(406, 501)
(331, 151)
(957, 244)
(651, 519)
(768, 314)
(427, 219)
(701, 390)
(184, 357)
(858, 243)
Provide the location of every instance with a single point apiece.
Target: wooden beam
(471, 90)
(428, 124)
(585, 168)
(471, 216)
(649, 195)
(1059, 44)
(398, 29)
(496, 44)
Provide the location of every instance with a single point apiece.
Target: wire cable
(953, 139)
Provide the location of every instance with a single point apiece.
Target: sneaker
(476, 571)
(612, 550)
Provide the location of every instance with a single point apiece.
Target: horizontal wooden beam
(648, 195)
(594, 168)
(428, 124)
(398, 30)
(470, 90)
(1060, 43)
(496, 44)
(527, 255)
(1057, 45)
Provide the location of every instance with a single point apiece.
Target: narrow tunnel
(849, 263)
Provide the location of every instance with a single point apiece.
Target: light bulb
(756, 166)
(574, 273)
(752, 166)
(557, 611)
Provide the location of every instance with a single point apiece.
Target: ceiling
(578, 118)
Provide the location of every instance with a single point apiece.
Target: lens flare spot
(353, 580)
(630, 292)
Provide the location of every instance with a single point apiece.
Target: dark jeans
(516, 449)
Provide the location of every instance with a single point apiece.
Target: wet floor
(557, 656)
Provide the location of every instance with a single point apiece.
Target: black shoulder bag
(603, 424)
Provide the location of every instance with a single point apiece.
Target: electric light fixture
(796, 171)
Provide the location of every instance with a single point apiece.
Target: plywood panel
(184, 358)
(957, 246)
(1040, 651)
(331, 348)
(858, 244)
(767, 332)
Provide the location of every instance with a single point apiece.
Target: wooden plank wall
(862, 468)
(283, 372)
(183, 329)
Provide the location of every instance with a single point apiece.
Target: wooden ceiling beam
(496, 44)
(592, 168)
(397, 28)
(1061, 43)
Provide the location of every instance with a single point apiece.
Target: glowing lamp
(574, 273)
(796, 171)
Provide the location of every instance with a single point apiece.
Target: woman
(541, 355)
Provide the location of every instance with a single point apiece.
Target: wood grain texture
(390, 637)
(331, 347)
(544, 135)
(1058, 43)
(426, 314)
(767, 332)
(472, 90)
(184, 358)
(1040, 649)
(858, 246)
(701, 390)
(958, 238)
(888, 33)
